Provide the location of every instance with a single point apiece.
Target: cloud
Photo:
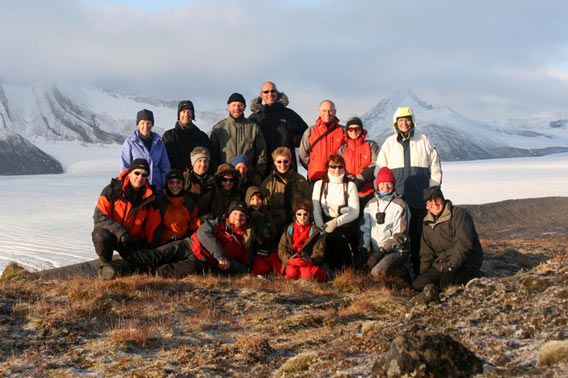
(483, 58)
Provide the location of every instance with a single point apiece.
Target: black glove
(129, 242)
(447, 278)
(375, 258)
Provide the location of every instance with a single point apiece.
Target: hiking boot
(107, 272)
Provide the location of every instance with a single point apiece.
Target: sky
(485, 59)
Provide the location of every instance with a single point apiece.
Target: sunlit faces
(138, 178)
(201, 166)
(435, 206)
(175, 186)
(404, 123)
(336, 169)
(327, 111)
(268, 93)
(227, 182)
(242, 168)
(185, 116)
(386, 187)
(236, 109)
(354, 132)
(282, 163)
(237, 218)
(256, 201)
(145, 127)
(302, 217)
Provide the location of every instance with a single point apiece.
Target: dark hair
(337, 159)
(303, 205)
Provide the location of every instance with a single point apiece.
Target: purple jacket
(157, 157)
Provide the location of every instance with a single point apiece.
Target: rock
(426, 355)
(296, 364)
(428, 296)
(552, 353)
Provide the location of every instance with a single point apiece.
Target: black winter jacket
(181, 141)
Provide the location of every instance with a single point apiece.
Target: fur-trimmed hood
(256, 103)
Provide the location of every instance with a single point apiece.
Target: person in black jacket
(450, 252)
(184, 137)
(280, 125)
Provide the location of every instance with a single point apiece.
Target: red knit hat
(385, 175)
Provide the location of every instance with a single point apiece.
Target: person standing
(145, 144)
(236, 135)
(416, 166)
(184, 137)
(280, 125)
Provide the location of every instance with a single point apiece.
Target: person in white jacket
(336, 210)
(384, 229)
(416, 166)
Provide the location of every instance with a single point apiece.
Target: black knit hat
(236, 97)
(432, 192)
(145, 114)
(237, 205)
(354, 121)
(186, 105)
(139, 164)
(174, 174)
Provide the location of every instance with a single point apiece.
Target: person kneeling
(301, 247)
(385, 228)
(450, 252)
(221, 245)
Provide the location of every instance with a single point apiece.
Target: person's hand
(447, 278)
(330, 226)
(224, 263)
(128, 241)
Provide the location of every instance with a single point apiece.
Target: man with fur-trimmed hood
(281, 126)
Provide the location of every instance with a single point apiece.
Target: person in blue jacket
(145, 144)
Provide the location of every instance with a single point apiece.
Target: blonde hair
(281, 151)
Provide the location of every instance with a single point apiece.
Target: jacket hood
(252, 190)
(256, 103)
(403, 111)
(224, 170)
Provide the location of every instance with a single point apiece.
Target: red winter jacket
(313, 157)
(360, 156)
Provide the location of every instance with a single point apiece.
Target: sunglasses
(332, 166)
(299, 214)
(353, 129)
(175, 181)
(138, 173)
(227, 180)
(282, 161)
(269, 91)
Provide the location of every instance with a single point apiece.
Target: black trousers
(173, 260)
(415, 235)
(341, 245)
(434, 276)
(105, 244)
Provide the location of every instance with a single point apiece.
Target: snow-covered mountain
(458, 137)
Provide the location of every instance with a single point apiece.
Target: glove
(375, 258)
(128, 242)
(448, 277)
(330, 226)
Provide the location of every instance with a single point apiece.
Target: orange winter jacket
(360, 155)
(115, 213)
(179, 217)
(313, 156)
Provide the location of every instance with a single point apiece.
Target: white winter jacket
(330, 204)
(397, 216)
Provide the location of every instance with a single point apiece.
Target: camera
(380, 216)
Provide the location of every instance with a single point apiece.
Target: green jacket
(232, 137)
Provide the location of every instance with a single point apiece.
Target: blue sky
(485, 59)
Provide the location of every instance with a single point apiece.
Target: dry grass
(552, 353)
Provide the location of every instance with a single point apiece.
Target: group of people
(234, 201)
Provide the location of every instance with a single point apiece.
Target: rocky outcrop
(18, 156)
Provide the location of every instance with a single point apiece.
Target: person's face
(236, 109)
(336, 169)
(175, 185)
(256, 202)
(327, 112)
(201, 166)
(268, 93)
(302, 217)
(435, 206)
(138, 178)
(404, 124)
(145, 127)
(242, 168)
(227, 182)
(185, 116)
(237, 218)
(354, 131)
(282, 163)
(386, 187)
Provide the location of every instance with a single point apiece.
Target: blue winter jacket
(157, 157)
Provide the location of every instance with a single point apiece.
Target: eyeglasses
(282, 161)
(299, 214)
(269, 91)
(227, 179)
(138, 173)
(332, 166)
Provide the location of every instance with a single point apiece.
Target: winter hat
(139, 164)
(236, 97)
(385, 175)
(403, 111)
(174, 174)
(144, 114)
(225, 169)
(432, 192)
(237, 205)
(239, 159)
(186, 105)
(198, 153)
(354, 121)
(251, 192)
(303, 205)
